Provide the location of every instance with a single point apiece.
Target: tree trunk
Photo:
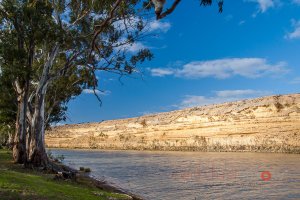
(19, 144)
(37, 155)
(10, 140)
(19, 147)
(28, 136)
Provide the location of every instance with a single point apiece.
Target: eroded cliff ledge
(268, 124)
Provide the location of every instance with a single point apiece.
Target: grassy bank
(19, 183)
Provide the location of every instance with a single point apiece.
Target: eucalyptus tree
(59, 93)
(57, 47)
(43, 43)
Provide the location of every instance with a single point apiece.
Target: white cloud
(242, 22)
(131, 47)
(152, 26)
(135, 47)
(296, 2)
(221, 97)
(224, 68)
(264, 5)
(239, 93)
(161, 72)
(98, 92)
(156, 25)
(295, 80)
(295, 34)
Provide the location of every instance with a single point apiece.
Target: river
(193, 175)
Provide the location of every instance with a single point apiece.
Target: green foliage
(30, 29)
(8, 107)
(3, 135)
(8, 104)
(209, 2)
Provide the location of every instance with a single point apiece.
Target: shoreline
(297, 151)
(100, 184)
(19, 182)
(108, 187)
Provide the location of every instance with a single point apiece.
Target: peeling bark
(19, 144)
(10, 140)
(37, 155)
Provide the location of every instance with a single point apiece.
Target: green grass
(18, 183)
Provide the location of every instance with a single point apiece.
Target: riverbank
(17, 182)
(267, 124)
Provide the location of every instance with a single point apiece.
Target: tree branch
(44, 80)
(82, 16)
(168, 11)
(103, 24)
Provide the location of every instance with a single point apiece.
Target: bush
(87, 170)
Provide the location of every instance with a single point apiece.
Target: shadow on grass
(19, 183)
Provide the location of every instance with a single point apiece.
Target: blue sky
(203, 57)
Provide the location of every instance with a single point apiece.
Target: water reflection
(194, 175)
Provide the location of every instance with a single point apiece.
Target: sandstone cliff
(268, 124)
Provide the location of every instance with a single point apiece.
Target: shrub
(87, 170)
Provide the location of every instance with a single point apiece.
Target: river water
(193, 175)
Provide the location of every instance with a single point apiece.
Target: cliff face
(268, 124)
